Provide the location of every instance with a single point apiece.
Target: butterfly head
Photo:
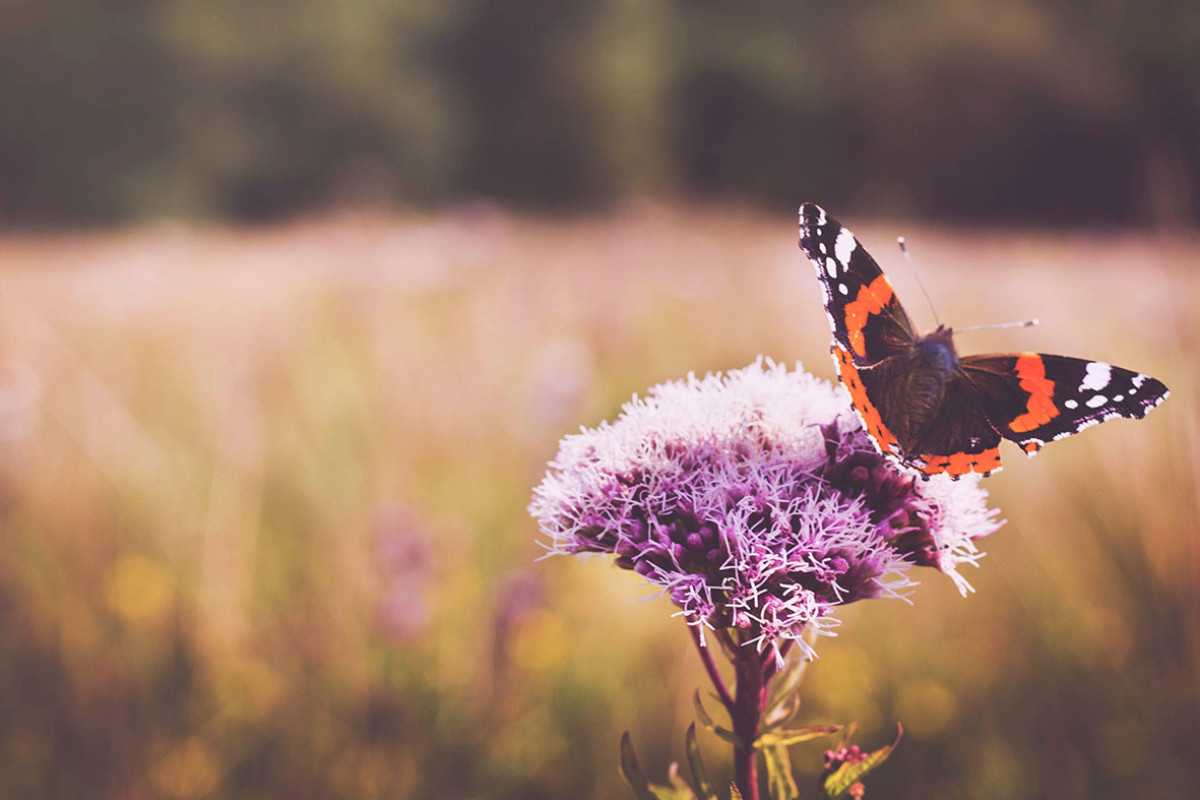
(936, 351)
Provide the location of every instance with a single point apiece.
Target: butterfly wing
(868, 321)
(870, 391)
(1031, 398)
(1028, 398)
(952, 437)
(959, 439)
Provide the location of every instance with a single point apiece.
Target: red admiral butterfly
(928, 408)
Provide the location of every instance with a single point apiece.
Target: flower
(404, 558)
(756, 502)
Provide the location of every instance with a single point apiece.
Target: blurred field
(263, 498)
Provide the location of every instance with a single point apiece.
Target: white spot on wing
(1138, 380)
(1097, 401)
(1118, 398)
(1072, 404)
(845, 246)
(1098, 376)
(831, 267)
(843, 288)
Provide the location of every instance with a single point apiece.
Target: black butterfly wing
(952, 436)
(868, 321)
(870, 387)
(1031, 398)
(956, 440)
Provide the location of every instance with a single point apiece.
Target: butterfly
(932, 410)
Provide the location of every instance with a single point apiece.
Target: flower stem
(711, 667)
(751, 695)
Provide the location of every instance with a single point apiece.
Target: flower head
(756, 502)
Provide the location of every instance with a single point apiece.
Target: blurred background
(1044, 113)
(296, 300)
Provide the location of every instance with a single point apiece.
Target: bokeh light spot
(190, 770)
(540, 642)
(138, 588)
(248, 690)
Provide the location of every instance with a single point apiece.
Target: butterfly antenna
(912, 265)
(1029, 323)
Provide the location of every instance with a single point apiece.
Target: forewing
(1032, 398)
(867, 319)
(869, 394)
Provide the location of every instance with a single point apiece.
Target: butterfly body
(922, 379)
(927, 407)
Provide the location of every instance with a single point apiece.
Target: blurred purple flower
(756, 502)
(404, 556)
(403, 613)
(402, 548)
(519, 594)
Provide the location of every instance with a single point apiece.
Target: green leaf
(734, 794)
(780, 782)
(795, 736)
(845, 776)
(786, 692)
(633, 771)
(704, 788)
(701, 711)
(707, 721)
(781, 711)
(678, 790)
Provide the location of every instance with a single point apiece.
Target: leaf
(847, 734)
(734, 794)
(845, 776)
(678, 790)
(702, 712)
(780, 782)
(795, 736)
(704, 788)
(707, 721)
(781, 710)
(633, 771)
(786, 691)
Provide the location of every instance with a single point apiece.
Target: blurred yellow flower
(540, 642)
(372, 772)
(248, 689)
(192, 769)
(138, 588)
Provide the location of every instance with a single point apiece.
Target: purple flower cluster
(756, 502)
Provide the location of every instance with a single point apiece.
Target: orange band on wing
(958, 464)
(871, 419)
(1039, 408)
(870, 300)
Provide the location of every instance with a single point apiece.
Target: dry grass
(210, 438)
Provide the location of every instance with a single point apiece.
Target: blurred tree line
(1005, 110)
